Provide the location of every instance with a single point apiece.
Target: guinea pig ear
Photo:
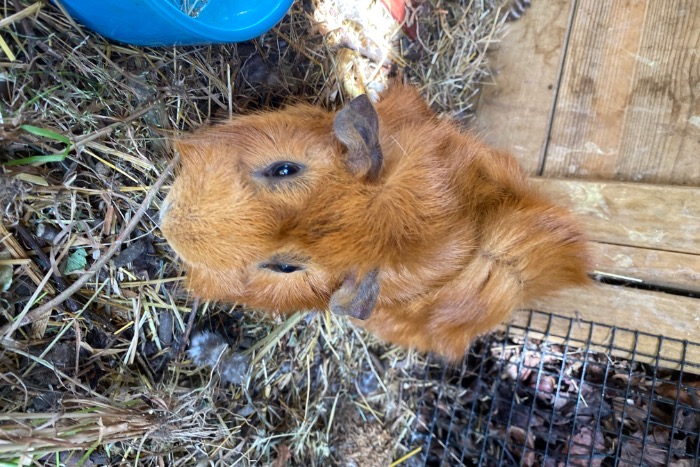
(357, 127)
(356, 298)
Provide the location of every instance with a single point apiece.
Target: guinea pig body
(387, 214)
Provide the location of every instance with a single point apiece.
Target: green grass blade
(43, 132)
(37, 159)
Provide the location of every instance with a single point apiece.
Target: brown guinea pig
(388, 214)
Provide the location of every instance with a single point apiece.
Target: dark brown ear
(357, 127)
(356, 298)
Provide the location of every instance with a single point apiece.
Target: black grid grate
(544, 393)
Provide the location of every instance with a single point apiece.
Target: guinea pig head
(265, 207)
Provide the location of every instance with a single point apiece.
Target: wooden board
(628, 106)
(620, 342)
(652, 314)
(514, 110)
(633, 214)
(665, 269)
(645, 232)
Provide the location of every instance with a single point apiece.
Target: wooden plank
(665, 269)
(647, 216)
(629, 106)
(514, 110)
(651, 312)
(620, 342)
(654, 314)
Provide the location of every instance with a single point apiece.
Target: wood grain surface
(515, 107)
(602, 98)
(609, 332)
(629, 101)
(633, 265)
(634, 214)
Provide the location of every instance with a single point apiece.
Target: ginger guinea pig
(386, 214)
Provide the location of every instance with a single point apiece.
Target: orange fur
(457, 235)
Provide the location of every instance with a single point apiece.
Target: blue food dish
(164, 23)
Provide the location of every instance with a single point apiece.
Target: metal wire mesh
(549, 397)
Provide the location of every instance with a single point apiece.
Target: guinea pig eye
(281, 267)
(282, 169)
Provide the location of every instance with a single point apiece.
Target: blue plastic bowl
(162, 22)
